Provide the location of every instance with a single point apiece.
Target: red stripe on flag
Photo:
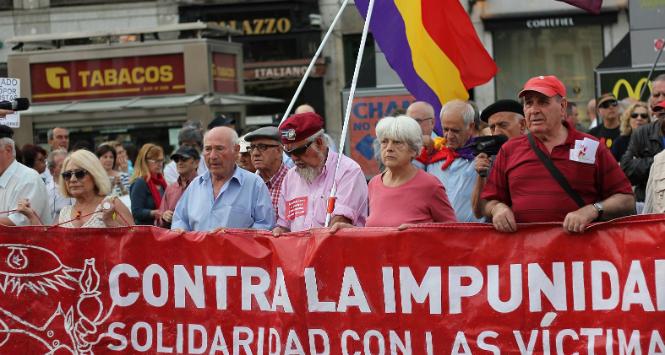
(448, 24)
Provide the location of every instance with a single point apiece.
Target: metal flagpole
(662, 46)
(313, 62)
(347, 114)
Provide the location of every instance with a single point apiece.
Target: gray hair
(49, 133)
(190, 134)
(468, 113)
(402, 128)
(54, 153)
(660, 77)
(10, 142)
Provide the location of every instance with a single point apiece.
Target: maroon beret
(299, 127)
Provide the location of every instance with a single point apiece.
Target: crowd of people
(516, 161)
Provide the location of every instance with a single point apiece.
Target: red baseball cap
(299, 127)
(548, 85)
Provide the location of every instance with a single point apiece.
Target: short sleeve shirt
(520, 180)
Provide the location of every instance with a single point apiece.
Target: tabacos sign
(106, 78)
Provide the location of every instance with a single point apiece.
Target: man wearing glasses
(608, 111)
(265, 149)
(646, 141)
(306, 187)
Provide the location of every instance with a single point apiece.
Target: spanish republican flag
(432, 46)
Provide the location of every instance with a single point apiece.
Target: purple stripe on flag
(592, 6)
(389, 31)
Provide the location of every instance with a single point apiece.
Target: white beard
(308, 173)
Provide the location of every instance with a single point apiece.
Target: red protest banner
(444, 289)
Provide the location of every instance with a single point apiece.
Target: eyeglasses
(298, 151)
(608, 103)
(636, 115)
(156, 161)
(658, 109)
(78, 173)
(261, 147)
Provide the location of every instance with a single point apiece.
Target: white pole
(347, 114)
(313, 62)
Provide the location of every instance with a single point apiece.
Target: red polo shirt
(520, 180)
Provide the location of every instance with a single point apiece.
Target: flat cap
(268, 132)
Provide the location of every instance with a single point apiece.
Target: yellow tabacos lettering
(126, 76)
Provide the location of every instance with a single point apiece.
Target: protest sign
(433, 289)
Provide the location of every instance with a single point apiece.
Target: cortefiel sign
(107, 78)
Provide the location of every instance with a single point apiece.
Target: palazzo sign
(107, 78)
(431, 289)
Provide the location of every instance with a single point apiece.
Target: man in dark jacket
(645, 142)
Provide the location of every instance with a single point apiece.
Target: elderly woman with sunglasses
(147, 184)
(84, 179)
(636, 115)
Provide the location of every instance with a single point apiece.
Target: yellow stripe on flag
(429, 61)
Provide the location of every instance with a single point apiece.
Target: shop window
(367, 74)
(570, 53)
(6, 4)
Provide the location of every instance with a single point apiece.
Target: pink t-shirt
(420, 200)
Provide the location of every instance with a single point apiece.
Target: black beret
(501, 106)
(6, 132)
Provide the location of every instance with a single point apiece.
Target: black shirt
(606, 136)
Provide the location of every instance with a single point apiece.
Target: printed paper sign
(10, 89)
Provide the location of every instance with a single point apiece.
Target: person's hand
(427, 143)
(156, 214)
(576, 221)
(4, 113)
(109, 211)
(23, 207)
(503, 218)
(482, 163)
(277, 231)
(340, 225)
(167, 216)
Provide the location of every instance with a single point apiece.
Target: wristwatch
(599, 208)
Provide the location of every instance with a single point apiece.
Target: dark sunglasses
(178, 159)
(636, 115)
(261, 147)
(298, 151)
(609, 103)
(78, 173)
(657, 109)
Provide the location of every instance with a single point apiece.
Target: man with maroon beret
(306, 187)
(521, 189)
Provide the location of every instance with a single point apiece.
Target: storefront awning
(147, 103)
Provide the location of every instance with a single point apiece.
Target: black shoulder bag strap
(556, 174)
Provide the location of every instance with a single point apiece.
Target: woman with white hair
(84, 179)
(404, 194)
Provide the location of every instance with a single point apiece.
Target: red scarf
(153, 181)
(444, 153)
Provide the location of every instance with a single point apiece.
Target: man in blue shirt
(453, 163)
(226, 196)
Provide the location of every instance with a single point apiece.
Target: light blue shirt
(458, 180)
(242, 202)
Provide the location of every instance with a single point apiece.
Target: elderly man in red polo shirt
(522, 189)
